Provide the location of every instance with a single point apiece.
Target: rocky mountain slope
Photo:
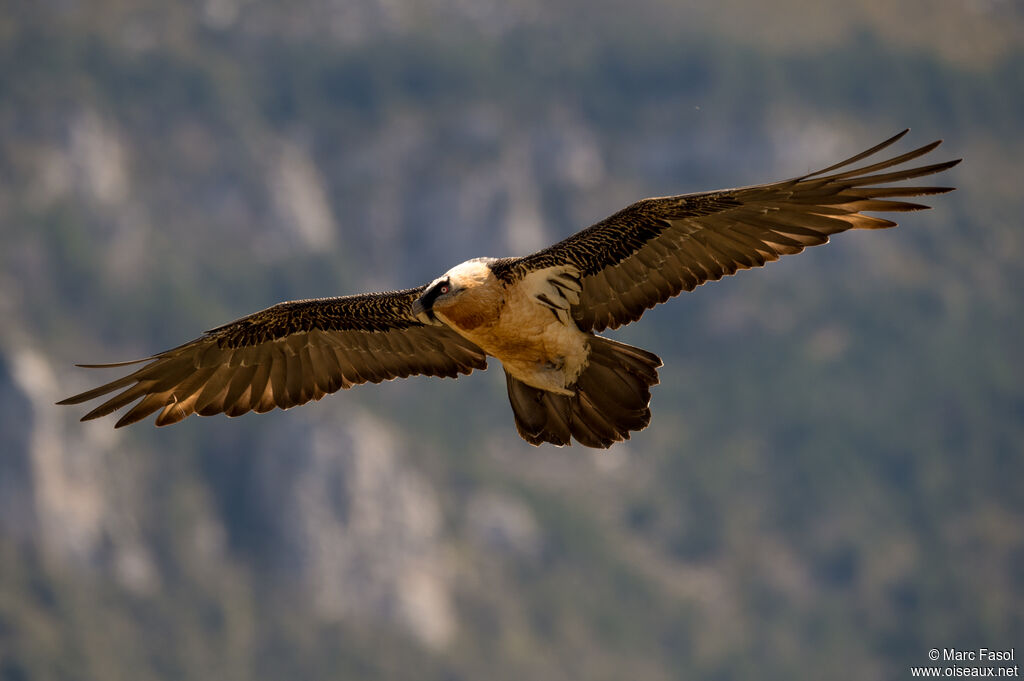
(831, 479)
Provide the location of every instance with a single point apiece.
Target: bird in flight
(539, 315)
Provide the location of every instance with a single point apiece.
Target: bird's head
(446, 291)
(423, 307)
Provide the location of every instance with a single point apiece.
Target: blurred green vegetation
(832, 481)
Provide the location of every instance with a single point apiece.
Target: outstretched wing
(287, 355)
(657, 248)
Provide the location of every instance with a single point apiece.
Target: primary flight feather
(539, 314)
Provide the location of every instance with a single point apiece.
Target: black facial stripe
(431, 295)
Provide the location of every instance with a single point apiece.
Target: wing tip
(86, 396)
(115, 365)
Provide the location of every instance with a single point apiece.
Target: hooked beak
(424, 314)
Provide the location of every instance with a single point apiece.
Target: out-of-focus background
(832, 482)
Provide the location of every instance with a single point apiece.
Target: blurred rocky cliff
(832, 475)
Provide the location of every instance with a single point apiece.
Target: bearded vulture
(539, 314)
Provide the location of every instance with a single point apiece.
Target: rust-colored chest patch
(473, 309)
(467, 318)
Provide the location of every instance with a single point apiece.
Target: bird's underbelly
(533, 345)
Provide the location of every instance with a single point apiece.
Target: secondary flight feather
(539, 315)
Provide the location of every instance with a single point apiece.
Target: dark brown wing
(287, 355)
(657, 248)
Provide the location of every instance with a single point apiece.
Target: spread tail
(612, 398)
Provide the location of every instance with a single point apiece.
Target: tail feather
(539, 418)
(612, 398)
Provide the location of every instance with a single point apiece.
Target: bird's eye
(444, 288)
